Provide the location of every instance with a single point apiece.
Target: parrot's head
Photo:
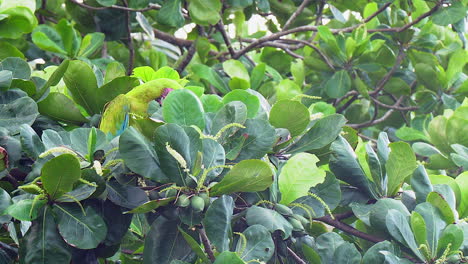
(164, 93)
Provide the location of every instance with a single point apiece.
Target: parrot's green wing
(116, 116)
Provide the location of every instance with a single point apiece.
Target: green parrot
(131, 108)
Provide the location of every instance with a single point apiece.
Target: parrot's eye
(164, 93)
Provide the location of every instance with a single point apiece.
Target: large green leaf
(258, 139)
(91, 43)
(327, 245)
(183, 107)
(30, 141)
(440, 202)
(82, 84)
(213, 155)
(240, 78)
(462, 181)
(171, 14)
(322, 133)
(217, 222)
(43, 243)
(398, 226)
(68, 112)
(451, 236)
(16, 20)
(281, 113)
(347, 253)
(400, 164)
(338, 85)
(245, 176)
(16, 108)
(19, 68)
(259, 246)
(378, 213)
(205, 12)
(228, 257)
(434, 223)
(165, 243)
(232, 112)
(81, 229)
(139, 155)
(373, 255)
(125, 195)
(344, 164)
(298, 175)
(174, 136)
(207, 73)
(450, 14)
(421, 184)
(251, 101)
(59, 174)
(25, 209)
(269, 219)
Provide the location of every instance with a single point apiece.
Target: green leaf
(418, 226)
(17, 21)
(183, 107)
(269, 219)
(205, 12)
(240, 78)
(326, 246)
(397, 87)
(379, 212)
(462, 181)
(47, 38)
(257, 75)
(195, 246)
(170, 14)
(217, 222)
(165, 243)
(81, 229)
(80, 193)
(259, 138)
(421, 184)
(251, 101)
(43, 243)
(281, 113)
(54, 79)
(5, 202)
(298, 175)
(259, 246)
(6, 78)
(30, 141)
(90, 44)
(338, 85)
(410, 134)
(8, 50)
(347, 253)
(71, 40)
(450, 14)
(398, 227)
(228, 257)
(453, 236)
(438, 201)
(245, 176)
(59, 174)
(68, 112)
(213, 155)
(19, 68)
(344, 164)
(287, 89)
(232, 112)
(400, 164)
(206, 73)
(82, 84)
(322, 133)
(139, 155)
(177, 138)
(434, 223)
(374, 255)
(150, 206)
(106, 2)
(126, 196)
(26, 209)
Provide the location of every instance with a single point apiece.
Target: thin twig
(399, 108)
(206, 244)
(220, 27)
(131, 48)
(296, 14)
(348, 229)
(386, 78)
(379, 120)
(296, 257)
(124, 8)
(324, 57)
(348, 94)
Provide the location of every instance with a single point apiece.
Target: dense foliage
(234, 131)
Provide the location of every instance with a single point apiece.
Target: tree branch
(379, 120)
(348, 229)
(386, 78)
(399, 108)
(220, 27)
(125, 8)
(188, 57)
(295, 256)
(131, 48)
(296, 14)
(206, 244)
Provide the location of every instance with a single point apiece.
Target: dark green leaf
(281, 113)
(338, 85)
(125, 195)
(183, 107)
(217, 222)
(59, 174)
(269, 219)
(259, 246)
